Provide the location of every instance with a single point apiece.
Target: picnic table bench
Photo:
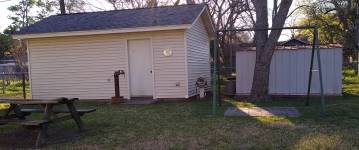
(17, 115)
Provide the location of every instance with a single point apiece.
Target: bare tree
(18, 50)
(128, 4)
(190, 2)
(226, 14)
(265, 45)
(62, 6)
(230, 14)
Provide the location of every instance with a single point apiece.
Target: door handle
(151, 71)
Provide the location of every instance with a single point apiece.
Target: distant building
(294, 42)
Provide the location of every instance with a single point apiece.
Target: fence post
(23, 85)
(3, 84)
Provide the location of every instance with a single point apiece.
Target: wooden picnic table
(17, 115)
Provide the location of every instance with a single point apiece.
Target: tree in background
(22, 17)
(73, 6)
(21, 14)
(130, 4)
(329, 29)
(27, 12)
(5, 43)
(46, 8)
(229, 14)
(265, 44)
(336, 20)
(19, 51)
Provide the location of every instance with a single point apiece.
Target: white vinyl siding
(83, 66)
(80, 67)
(169, 70)
(198, 55)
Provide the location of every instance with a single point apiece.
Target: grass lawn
(187, 125)
(14, 89)
(350, 83)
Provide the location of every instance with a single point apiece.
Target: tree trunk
(62, 6)
(260, 83)
(357, 36)
(265, 46)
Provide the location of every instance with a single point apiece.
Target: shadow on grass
(337, 129)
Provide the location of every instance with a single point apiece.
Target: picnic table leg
(8, 111)
(43, 129)
(75, 115)
(41, 136)
(16, 109)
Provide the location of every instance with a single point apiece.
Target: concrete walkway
(262, 111)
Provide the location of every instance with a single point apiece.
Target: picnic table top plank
(32, 101)
(39, 110)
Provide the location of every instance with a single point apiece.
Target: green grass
(14, 89)
(189, 125)
(3, 106)
(350, 82)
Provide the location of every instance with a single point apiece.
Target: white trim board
(94, 32)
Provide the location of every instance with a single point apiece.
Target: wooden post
(117, 85)
(43, 129)
(3, 84)
(23, 85)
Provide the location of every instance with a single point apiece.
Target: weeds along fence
(14, 84)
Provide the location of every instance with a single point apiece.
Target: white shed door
(140, 63)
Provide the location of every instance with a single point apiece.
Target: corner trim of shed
(208, 21)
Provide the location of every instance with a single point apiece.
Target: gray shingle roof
(116, 19)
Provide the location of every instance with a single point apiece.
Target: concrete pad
(140, 101)
(262, 111)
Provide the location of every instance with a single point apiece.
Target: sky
(4, 13)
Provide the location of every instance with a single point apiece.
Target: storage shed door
(140, 63)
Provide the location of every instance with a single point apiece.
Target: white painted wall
(290, 71)
(198, 55)
(83, 66)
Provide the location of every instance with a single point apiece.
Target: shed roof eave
(96, 32)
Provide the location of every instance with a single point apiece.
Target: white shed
(162, 51)
(289, 71)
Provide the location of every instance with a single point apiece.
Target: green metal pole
(311, 67)
(215, 76)
(322, 100)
